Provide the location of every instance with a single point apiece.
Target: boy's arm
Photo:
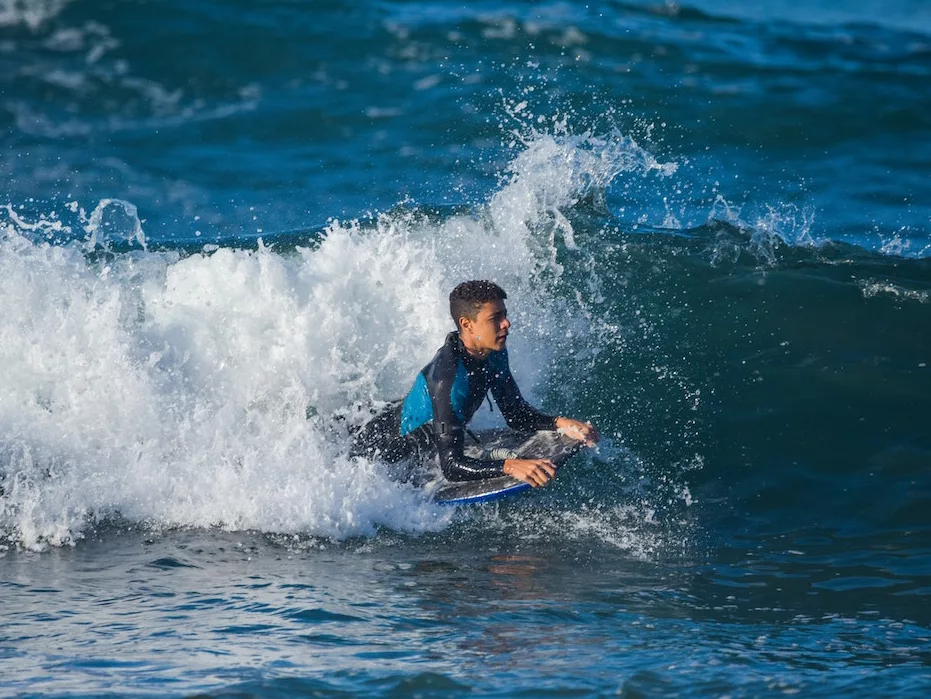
(517, 412)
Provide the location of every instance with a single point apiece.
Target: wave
(202, 389)
(171, 385)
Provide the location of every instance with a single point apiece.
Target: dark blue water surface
(226, 225)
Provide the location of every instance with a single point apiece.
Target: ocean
(227, 228)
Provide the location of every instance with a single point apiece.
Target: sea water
(228, 229)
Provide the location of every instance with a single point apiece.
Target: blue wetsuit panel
(418, 408)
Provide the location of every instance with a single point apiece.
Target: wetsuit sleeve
(449, 432)
(518, 413)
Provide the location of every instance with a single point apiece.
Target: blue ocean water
(224, 226)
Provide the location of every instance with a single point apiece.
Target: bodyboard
(505, 444)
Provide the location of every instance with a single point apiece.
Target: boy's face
(489, 330)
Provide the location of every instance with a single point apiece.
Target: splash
(762, 236)
(114, 219)
(905, 243)
(215, 390)
(174, 391)
(112, 223)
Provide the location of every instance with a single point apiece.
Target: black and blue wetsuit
(445, 396)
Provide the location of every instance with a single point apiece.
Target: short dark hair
(467, 298)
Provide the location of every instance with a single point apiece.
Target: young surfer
(448, 391)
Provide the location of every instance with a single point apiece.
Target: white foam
(32, 13)
(176, 391)
(870, 288)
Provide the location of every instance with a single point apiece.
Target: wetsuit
(444, 397)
